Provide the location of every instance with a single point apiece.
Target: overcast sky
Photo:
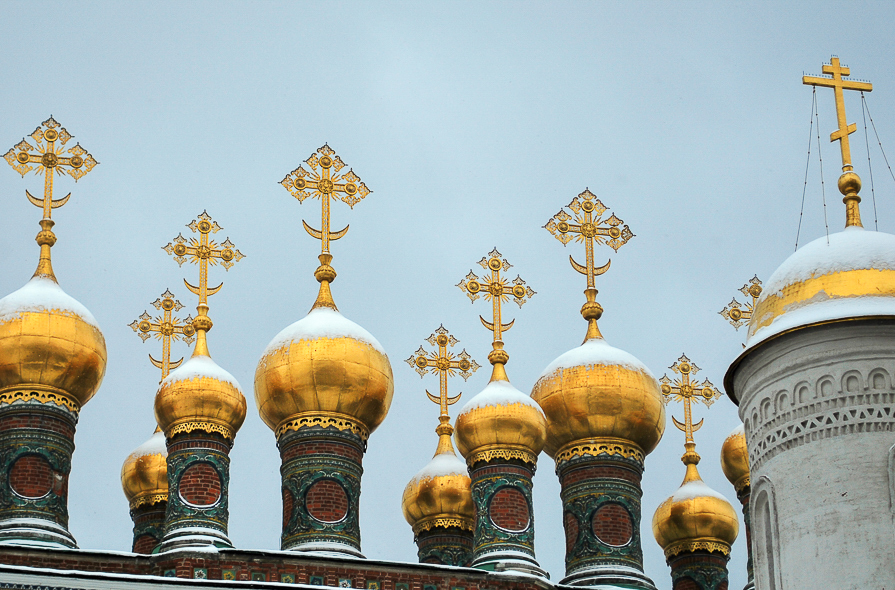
(473, 124)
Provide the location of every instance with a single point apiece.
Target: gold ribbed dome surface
(597, 391)
(852, 276)
(50, 342)
(735, 458)
(503, 421)
(695, 518)
(200, 395)
(439, 494)
(144, 475)
(323, 365)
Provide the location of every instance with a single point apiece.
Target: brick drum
(509, 510)
(327, 501)
(612, 525)
(200, 485)
(570, 524)
(145, 544)
(288, 505)
(31, 476)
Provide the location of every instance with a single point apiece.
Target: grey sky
(473, 124)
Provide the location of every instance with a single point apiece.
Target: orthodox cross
(323, 181)
(444, 363)
(735, 312)
(682, 390)
(204, 252)
(497, 290)
(49, 158)
(588, 230)
(836, 82)
(166, 328)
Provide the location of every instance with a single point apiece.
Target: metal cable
(823, 193)
(807, 163)
(869, 167)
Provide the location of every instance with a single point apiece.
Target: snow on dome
(441, 464)
(43, 294)
(200, 366)
(322, 322)
(154, 446)
(500, 393)
(738, 431)
(595, 351)
(695, 489)
(850, 250)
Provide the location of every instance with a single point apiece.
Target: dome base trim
(609, 577)
(743, 483)
(35, 532)
(341, 422)
(43, 394)
(203, 425)
(600, 446)
(488, 454)
(692, 545)
(443, 521)
(148, 500)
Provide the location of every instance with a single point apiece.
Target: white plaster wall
(819, 411)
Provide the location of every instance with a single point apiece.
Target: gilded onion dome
(439, 494)
(324, 370)
(200, 395)
(599, 395)
(696, 517)
(501, 421)
(852, 276)
(144, 475)
(735, 459)
(49, 344)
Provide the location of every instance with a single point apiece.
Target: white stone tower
(815, 391)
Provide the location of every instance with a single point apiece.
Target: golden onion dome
(850, 275)
(439, 494)
(144, 475)
(695, 518)
(599, 392)
(200, 395)
(735, 459)
(501, 421)
(50, 344)
(324, 370)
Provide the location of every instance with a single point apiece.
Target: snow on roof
(852, 249)
(322, 322)
(43, 294)
(154, 446)
(595, 351)
(738, 431)
(200, 366)
(695, 489)
(441, 464)
(500, 393)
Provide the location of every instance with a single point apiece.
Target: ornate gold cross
(444, 363)
(204, 252)
(166, 328)
(49, 158)
(496, 290)
(836, 82)
(849, 182)
(734, 312)
(324, 181)
(590, 231)
(682, 390)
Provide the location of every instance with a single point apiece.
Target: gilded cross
(682, 390)
(324, 181)
(497, 290)
(590, 228)
(49, 156)
(445, 363)
(835, 81)
(203, 252)
(166, 328)
(738, 314)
